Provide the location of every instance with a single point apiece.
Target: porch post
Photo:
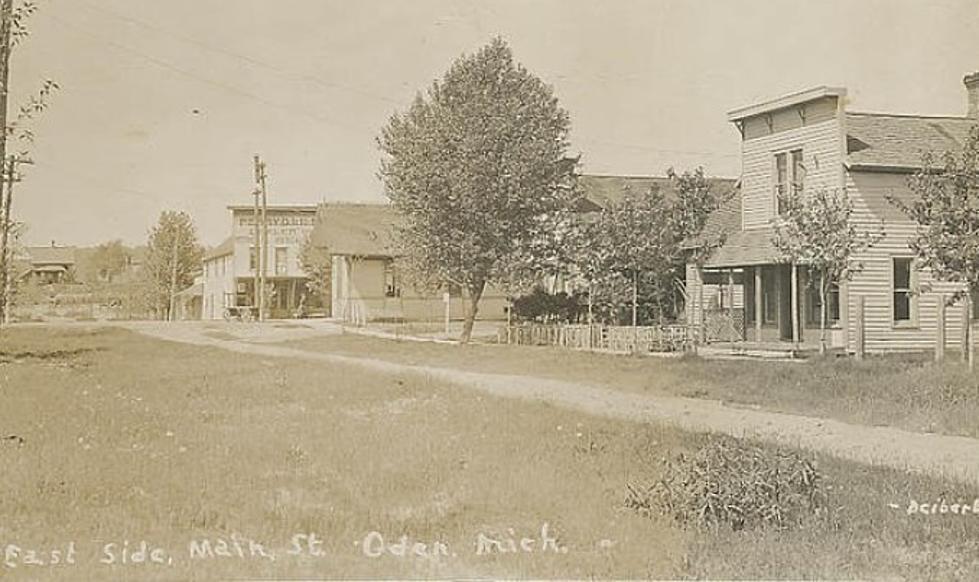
(758, 306)
(795, 304)
(702, 319)
(730, 292)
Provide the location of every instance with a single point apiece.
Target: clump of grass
(734, 483)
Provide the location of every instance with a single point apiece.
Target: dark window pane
(902, 306)
(798, 172)
(902, 274)
(833, 309)
(769, 296)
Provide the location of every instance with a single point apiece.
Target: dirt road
(952, 456)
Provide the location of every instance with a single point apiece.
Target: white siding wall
(868, 191)
(820, 140)
(218, 280)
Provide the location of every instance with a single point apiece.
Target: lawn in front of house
(121, 440)
(906, 391)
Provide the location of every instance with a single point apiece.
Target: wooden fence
(620, 339)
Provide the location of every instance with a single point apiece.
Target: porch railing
(724, 325)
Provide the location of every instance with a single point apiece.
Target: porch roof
(743, 248)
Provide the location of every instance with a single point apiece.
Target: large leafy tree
(477, 168)
(817, 231)
(174, 256)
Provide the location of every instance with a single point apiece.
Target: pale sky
(309, 83)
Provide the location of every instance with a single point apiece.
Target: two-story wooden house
(810, 140)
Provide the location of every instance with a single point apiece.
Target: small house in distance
(810, 140)
(366, 284)
(45, 265)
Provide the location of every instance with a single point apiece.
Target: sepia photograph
(489, 290)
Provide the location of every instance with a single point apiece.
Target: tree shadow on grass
(46, 356)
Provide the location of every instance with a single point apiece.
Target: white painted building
(229, 268)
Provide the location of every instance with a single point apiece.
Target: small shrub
(734, 483)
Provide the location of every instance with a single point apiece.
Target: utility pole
(6, 26)
(256, 284)
(172, 315)
(260, 176)
(6, 261)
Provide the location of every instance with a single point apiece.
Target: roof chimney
(972, 86)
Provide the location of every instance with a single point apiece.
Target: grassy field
(112, 438)
(907, 391)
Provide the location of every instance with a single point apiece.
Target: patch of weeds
(732, 483)
(590, 442)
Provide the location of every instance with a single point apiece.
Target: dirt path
(953, 456)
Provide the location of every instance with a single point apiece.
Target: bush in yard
(729, 482)
(544, 307)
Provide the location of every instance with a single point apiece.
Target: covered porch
(766, 304)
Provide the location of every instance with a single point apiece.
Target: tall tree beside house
(945, 206)
(173, 257)
(816, 231)
(477, 168)
(317, 263)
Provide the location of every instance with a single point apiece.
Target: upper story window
(252, 258)
(281, 261)
(798, 173)
(789, 177)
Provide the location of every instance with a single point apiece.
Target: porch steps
(748, 351)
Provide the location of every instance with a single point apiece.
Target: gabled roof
(886, 142)
(51, 255)
(600, 191)
(224, 249)
(194, 290)
(362, 230)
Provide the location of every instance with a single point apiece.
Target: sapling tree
(817, 230)
(945, 208)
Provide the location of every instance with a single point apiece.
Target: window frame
(911, 291)
(281, 267)
(793, 182)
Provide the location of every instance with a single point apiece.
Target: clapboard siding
(821, 151)
(872, 211)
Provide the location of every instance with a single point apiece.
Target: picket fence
(619, 339)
